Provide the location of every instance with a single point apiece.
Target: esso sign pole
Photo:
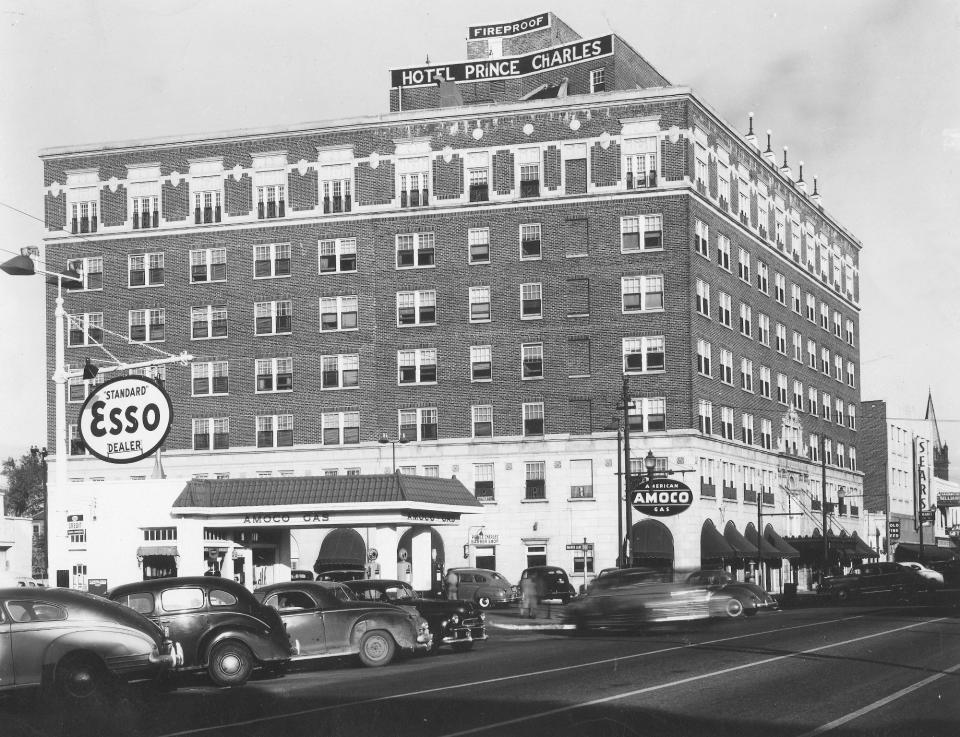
(125, 419)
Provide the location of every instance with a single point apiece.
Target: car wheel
(80, 677)
(841, 595)
(733, 608)
(483, 602)
(376, 648)
(462, 647)
(230, 663)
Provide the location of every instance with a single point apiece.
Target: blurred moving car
(873, 579)
(551, 582)
(950, 570)
(321, 625)
(75, 645)
(350, 574)
(300, 574)
(634, 598)
(487, 588)
(931, 575)
(221, 626)
(741, 597)
(453, 622)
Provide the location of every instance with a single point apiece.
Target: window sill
(578, 314)
(582, 499)
(140, 286)
(213, 337)
(533, 501)
(531, 378)
(209, 281)
(579, 376)
(273, 276)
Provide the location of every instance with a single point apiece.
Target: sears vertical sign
(125, 419)
(920, 481)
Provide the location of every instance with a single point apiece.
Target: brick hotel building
(473, 273)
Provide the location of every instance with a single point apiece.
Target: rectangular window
(726, 423)
(702, 239)
(532, 419)
(531, 301)
(763, 277)
(478, 243)
(418, 424)
(581, 479)
(274, 375)
(746, 428)
(478, 175)
(763, 329)
(90, 271)
(340, 371)
(825, 406)
(641, 233)
(643, 355)
(207, 206)
(838, 368)
(766, 434)
(479, 304)
(145, 270)
(414, 182)
(481, 363)
(271, 260)
(812, 354)
(482, 420)
(145, 211)
(780, 288)
(705, 417)
(795, 303)
(641, 293)
(416, 250)
(765, 382)
(208, 322)
(813, 406)
(83, 216)
(848, 332)
(336, 187)
(838, 412)
(340, 428)
(724, 309)
(85, 329)
(640, 162)
(825, 361)
(417, 366)
(597, 80)
(746, 320)
(746, 374)
(535, 480)
(211, 378)
(483, 481)
(337, 255)
(274, 431)
(211, 433)
(78, 388)
(811, 308)
(837, 321)
(851, 375)
(726, 366)
(782, 389)
(271, 200)
(273, 318)
(723, 252)
(531, 360)
(743, 265)
(147, 326)
(703, 298)
(824, 316)
(781, 339)
(704, 358)
(208, 264)
(531, 241)
(797, 395)
(797, 347)
(528, 159)
(338, 313)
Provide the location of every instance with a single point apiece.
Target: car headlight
(483, 616)
(455, 619)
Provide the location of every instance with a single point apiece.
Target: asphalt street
(798, 673)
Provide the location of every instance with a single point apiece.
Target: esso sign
(125, 419)
(661, 497)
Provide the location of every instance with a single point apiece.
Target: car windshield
(499, 578)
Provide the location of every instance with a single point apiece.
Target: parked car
(75, 644)
(872, 579)
(935, 577)
(551, 582)
(299, 574)
(221, 626)
(487, 588)
(321, 625)
(634, 598)
(341, 575)
(453, 622)
(950, 570)
(742, 597)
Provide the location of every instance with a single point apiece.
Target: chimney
(785, 169)
(801, 185)
(751, 136)
(768, 155)
(816, 195)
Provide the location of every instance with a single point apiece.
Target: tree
(25, 481)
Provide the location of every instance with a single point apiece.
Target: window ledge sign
(661, 497)
(125, 419)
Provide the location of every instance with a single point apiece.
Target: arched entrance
(421, 558)
(342, 548)
(651, 545)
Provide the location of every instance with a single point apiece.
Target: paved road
(839, 671)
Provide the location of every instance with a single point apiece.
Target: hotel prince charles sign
(507, 67)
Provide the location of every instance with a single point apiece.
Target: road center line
(488, 681)
(877, 704)
(679, 682)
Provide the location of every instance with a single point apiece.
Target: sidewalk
(549, 616)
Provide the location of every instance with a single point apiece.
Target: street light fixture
(384, 439)
(649, 463)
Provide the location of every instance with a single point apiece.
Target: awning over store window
(144, 550)
(342, 548)
(652, 539)
(841, 547)
(861, 548)
(767, 551)
(712, 543)
(772, 537)
(911, 552)
(743, 547)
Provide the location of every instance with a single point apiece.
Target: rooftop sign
(125, 419)
(533, 23)
(506, 67)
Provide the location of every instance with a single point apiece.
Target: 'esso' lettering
(125, 419)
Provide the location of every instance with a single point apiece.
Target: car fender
(113, 646)
(262, 645)
(396, 623)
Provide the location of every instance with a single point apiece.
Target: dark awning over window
(767, 550)
(911, 551)
(144, 550)
(652, 539)
(785, 548)
(743, 547)
(343, 548)
(712, 543)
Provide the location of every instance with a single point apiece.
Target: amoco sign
(661, 497)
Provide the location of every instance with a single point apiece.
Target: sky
(865, 92)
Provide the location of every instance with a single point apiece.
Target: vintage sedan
(221, 626)
(484, 586)
(75, 645)
(321, 625)
(453, 622)
(881, 579)
(740, 597)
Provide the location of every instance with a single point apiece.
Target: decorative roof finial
(815, 186)
(769, 150)
(801, 173)
(785, 164)
(750, 133)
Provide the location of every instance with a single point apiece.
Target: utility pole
(625, 400)
(823, 504)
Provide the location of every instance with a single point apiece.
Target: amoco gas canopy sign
(125, 419)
